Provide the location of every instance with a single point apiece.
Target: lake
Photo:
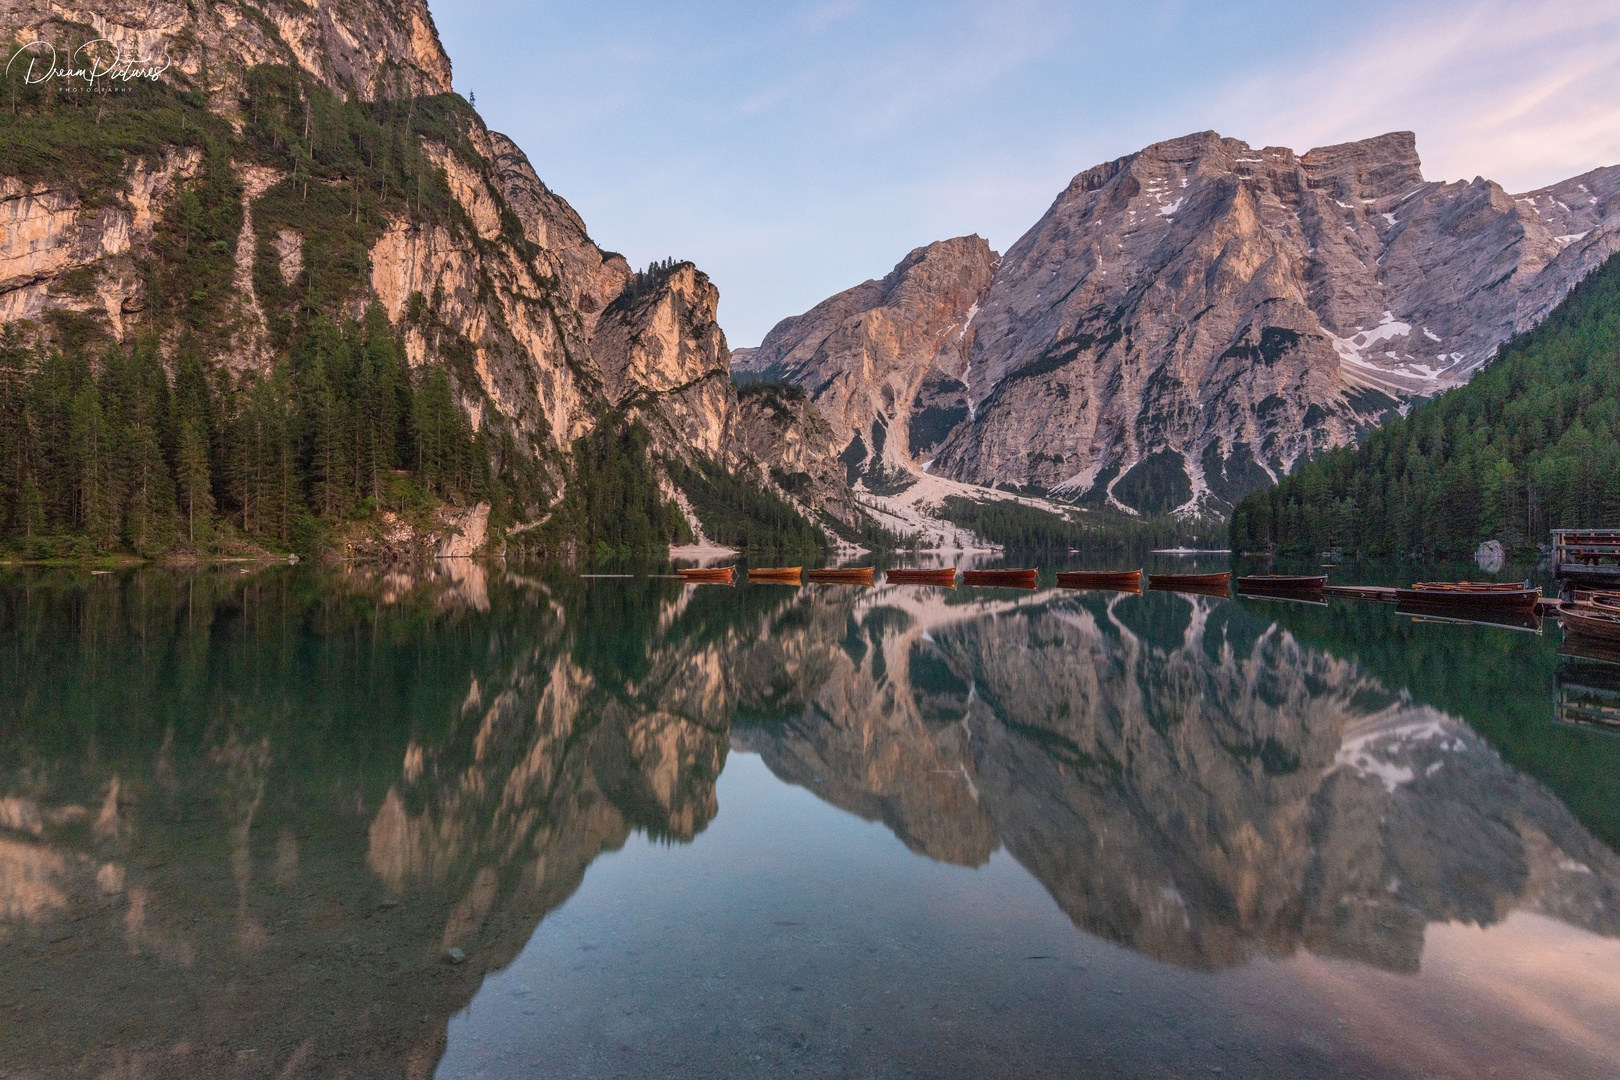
(474, 821)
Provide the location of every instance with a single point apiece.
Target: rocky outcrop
(377, 48)
(883, 360)
(589, 277)
(798, 449)
(664, 359)
(57, 254)
(1188, 322)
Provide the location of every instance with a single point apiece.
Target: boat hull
(1277, 583)
(853, 575)
(1006, 579)
(1470, 595)
(1206, 584)
(1597, 624)
(776, 575)
(1089, 579)
(943, 578)
(721, 576)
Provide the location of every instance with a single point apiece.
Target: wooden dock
(1382, 593)
(1588, 558)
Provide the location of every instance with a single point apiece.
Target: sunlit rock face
(507, 293)
(1187, 322)
(883, 361)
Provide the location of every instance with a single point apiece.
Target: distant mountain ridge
(1186, 323)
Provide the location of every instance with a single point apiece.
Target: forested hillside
(1531, 444)
(219, 350)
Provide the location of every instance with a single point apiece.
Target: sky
(794, 149)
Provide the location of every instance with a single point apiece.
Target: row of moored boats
(1594, 614)
(948, 577)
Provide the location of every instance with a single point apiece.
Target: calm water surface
(481, 823)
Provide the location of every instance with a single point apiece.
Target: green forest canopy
(1532, 443)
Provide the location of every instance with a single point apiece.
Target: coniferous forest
(1532, 443)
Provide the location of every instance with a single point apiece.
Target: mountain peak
(1190, 320)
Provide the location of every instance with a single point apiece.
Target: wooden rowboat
(1282, 583)
(1605, 598)
(1591, 621)
(775, 575)
(945, 577)
(717, 575)
(1112, 580)
(841, 575)
(1172, 580)
(1509, 618)
(1470, 594)
(1008, 579)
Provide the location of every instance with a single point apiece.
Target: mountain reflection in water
(245, 818)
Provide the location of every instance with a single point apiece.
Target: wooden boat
(1008, 579)
(1605, 598)
(1167, 580)
(1470, 594)
(1112, 580)
(775, 575)
(1508, 618)
(1282, 583)
(715, 575)
(840, 575)
(1592, 621)
(945, 577)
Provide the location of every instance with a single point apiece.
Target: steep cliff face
(798, 448)
(377, 48)
(1188, 322)
(664, 359)
(497, 281)
(47, 231)
(883, 360)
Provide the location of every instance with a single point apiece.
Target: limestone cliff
(887, 356)
(1187, 322)
(664, 359)
(377, 49)
(496, 281)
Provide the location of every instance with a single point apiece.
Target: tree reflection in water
(244, 819)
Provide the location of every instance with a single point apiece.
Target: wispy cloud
(1522, 93)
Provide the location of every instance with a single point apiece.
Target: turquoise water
(486, 822)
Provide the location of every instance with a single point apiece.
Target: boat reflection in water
(289, 824)
(1589, 684)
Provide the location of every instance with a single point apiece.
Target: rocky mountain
(1188, 322)
(886, 354)
(331, 134)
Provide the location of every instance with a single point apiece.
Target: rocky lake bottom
(478, 821)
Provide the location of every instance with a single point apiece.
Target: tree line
(1028, 528)
(117, 452)
(1531, 443)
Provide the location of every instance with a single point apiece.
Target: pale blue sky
(794, 149)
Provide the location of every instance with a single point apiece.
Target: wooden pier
(1586, 557)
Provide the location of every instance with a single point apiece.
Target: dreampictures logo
(87, 70)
